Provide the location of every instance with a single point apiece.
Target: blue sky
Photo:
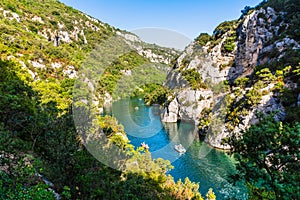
(189, 17)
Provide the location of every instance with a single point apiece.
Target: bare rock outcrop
(257, 42)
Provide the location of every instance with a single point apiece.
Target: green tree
(203, 38)
(268, 155)
(194, 79)
(210, 195)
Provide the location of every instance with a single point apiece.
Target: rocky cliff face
(257, 41)
(229, 57)
(154, 53)
(187, 105)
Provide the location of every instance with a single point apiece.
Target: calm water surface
(201, 163)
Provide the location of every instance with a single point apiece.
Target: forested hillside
(43, 46)
(239, 85)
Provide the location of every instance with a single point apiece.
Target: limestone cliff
(236, 70)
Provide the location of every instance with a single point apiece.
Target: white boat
(143, 144)
(179, 148)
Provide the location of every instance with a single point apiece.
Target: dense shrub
(269, 159)
(194, 79)
(203, 38)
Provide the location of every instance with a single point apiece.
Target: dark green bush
(33, 28)
(55, 13)
(203, 38)
(194, 79)
(268, 158)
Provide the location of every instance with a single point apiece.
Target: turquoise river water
(200, 163)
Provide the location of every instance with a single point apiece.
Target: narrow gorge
(90, 111)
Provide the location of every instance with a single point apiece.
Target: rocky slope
(237, 68)
(57, 42)
(72, 29)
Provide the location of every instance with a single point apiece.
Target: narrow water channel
(200, 163)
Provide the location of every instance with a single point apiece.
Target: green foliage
(289, 100)
(194, 79)
(203, 38)
(23, 38)
(11, 7)
(117, 83)
(36, 116)
(205, 120)
(268, 158)
(52, 91)
(210, 195)
(39, 192)
(229, 44)
(109, 125)
(241, 82)
(142, 178)
(41, 122)
(18, 179)
(66, 193)
(225, 27)
(33, 29)
(291, 15)
(253, 97)
(50, 131)
(236, 110)
(155, 94)
(109, 80)
(265, 75)
(238, 106)
(288, 96)
(17, 105)
(55, 13)
(296, 73)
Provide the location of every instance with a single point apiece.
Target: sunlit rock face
(256, 43)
